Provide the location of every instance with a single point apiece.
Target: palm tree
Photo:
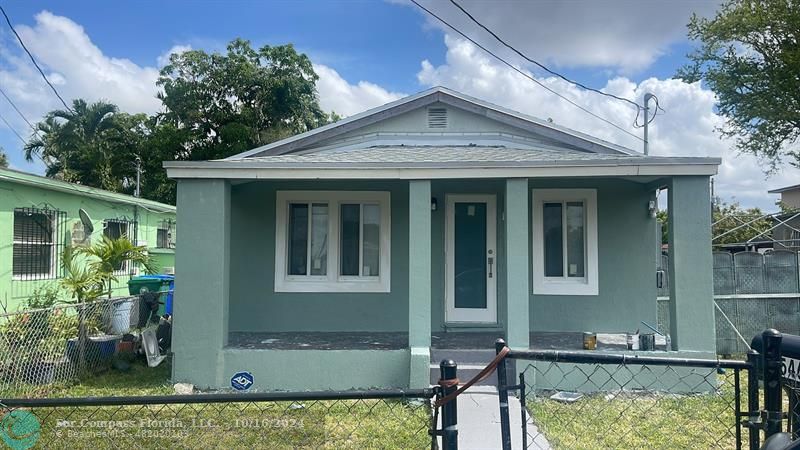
(72, 145)
(89, 273)
(108, 255)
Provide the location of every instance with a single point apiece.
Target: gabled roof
(352, 149)
(784, 189)
(29, 179)
(446, 96)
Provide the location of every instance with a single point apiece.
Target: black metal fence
(396, 419)
(580, 400)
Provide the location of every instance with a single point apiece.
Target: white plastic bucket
(121, 316)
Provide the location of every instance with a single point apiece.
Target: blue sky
(371, 52)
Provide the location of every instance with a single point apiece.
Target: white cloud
(618, 34)
(163, 59)
(80, 69)
(76, 66)
(336, 94)
(686, 129)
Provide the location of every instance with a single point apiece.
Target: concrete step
(462, 356)
(467, 371)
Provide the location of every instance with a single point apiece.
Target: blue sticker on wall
(241, 381)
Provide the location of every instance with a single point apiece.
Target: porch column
(517, 263)
(419, 281)
(200, 327)
(691, 307)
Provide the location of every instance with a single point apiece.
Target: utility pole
(137, 192)
(647, 97)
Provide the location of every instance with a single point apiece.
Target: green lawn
(638, 420)
(390, 424)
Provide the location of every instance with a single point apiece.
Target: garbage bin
(155, 283)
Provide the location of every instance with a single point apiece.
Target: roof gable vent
(437, 118)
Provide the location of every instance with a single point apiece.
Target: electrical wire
(523, 73)
(20, 113)
(33, 60)
(12, 129)
(542, 66)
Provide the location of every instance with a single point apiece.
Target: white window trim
(54, 259)
(587, 285)
(125, 270)
(332, 282)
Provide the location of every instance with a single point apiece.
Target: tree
(108, 255)
(215, 106)
(732, 224)
(3, 159)
(749, 55)
(240, 100)
(91, 144)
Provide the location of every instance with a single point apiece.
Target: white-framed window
(37, 243)
(332, 241)
(564, 241)
(116, 229)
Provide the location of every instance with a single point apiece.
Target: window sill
(565, 289)
(168, 251)
(34, 277)
(351, 286)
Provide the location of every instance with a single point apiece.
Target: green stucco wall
(626, 263)
(230, 281)
(14, 195)
(254, 304)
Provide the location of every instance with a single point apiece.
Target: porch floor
(367, 340)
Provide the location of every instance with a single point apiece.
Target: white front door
(471, 258)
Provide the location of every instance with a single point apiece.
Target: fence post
(448, 371)
(502, 391)
(754, 432)
(771, 355)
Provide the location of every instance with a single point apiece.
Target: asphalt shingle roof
(436, 154)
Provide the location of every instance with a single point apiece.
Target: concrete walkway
(479, 422)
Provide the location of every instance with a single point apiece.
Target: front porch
(259, 314)
(543, 340)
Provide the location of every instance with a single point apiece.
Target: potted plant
(89, 274)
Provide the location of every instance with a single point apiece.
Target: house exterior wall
(14, 195)
(627, 293)
(458, 121)
(255, 306)
(791, 199)
(626, 263)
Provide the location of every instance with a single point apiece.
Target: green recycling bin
(151, 283)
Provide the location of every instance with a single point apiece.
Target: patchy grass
(356, 424)
(628, 420)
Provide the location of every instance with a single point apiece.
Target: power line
(526, 75)
(542, 66)
(12, 129)
(8, 21)
(18, 111)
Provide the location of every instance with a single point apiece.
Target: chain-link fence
(585, 401)
(40, 347)
(746, 314)
(335, 420)
(774, 272)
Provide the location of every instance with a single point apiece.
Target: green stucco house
(39, 217)
(339, 257)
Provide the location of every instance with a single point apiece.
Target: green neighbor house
(39, 217)
(344, 257)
